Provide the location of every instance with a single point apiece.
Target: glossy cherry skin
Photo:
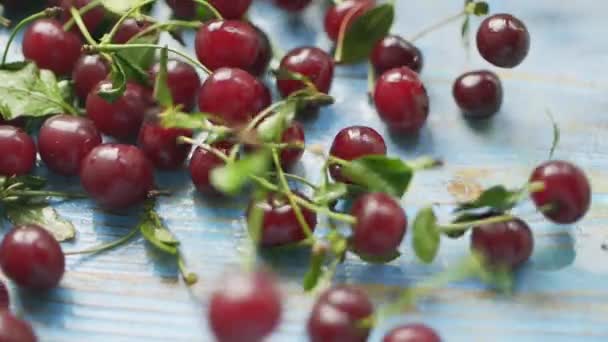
(264, 56)
(245, 307)
(412, 333)
(393, 52)
(381, 224)
(128, 29)
(13, 329)
(567, 191)
(32, 258)
(5, 300)
(231, 9)
(293, 134)
(311, 62)
(64, 141)
(507, 244)
(280, 225)
(183, 9)
(293, 5)
(478, 94)
(503, 40)
(401, 100)
(203, 162)
(227, 43)
(92, 19)
(355, 142)
(50, 47)
(336, 313)
(123, 117)
(17, 151)
(161, 146)
(117, 176)
(346, 10)
(183, 82)
(233, 95)
(88, 72)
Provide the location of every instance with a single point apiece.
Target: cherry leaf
(379, 174)
(42, 214)
(234, 176)
(155, 232)
(497, 197)
(315, 271)
(426, 238)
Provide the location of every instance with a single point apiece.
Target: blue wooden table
(134, 294)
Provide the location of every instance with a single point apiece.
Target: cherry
(233, 95)
(392, 52)
(264, 56)
(128, 29)
(65, 140)
(92, 19)
(203, 162)
(13, 329)
(381, 224)
(184, 9)
(292, 5)
(503, 40)
(346, 10)
(183, 82)
(280, 225)
(161, 146)
(32, 258)
(50, 47)
(566, 194)
(293, 134)
(5, 300)
(412, 333)
(478, 94)
(246, 307)
(355, 142)
(401, 100)
(123, 117)
(17, 151)
(227, 43)
(311, 62)
(117, 176)
(336, 314)
(231, 9)
(88, 72)
(505, 244)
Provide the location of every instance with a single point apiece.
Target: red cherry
(345, 10)
(183, 82)
(412, 333)
(293, 134)
(566, 191)
(503, 40)
(264, 56)
(246, 307)
(507, 244)
(117, 176)
(128, 29)
(352, 143)
(231, 9)
(292, 5)
(160, 145)
(311, 62)
(336, 314)
(32, 258)
(13, 329)
(394, 52)
(478, 94)
(401, 100)
(65, 140)
(88, 72)
(17, 151)
(50, 47)
(203, 162)
(5, 300)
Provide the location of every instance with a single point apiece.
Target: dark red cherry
(505, 244)
(566, 196)
(227, 43)
(345, 10)
(5, 300)
(264, 56)
(337, 313)
(183, 9)
(280, 225)
(92, 19)
(32, 258)
(231, 9)
(183, 82)
(245, 307)
(352, 143)
(123, 117)
(65, 140)
(161, 146)
(128, 29)
(13, 329)
(50, 47)
(117, 176)
(478, 94)
(393, 52)
(233, 95)
(381, 224)
(503, 40)
(17, 151)
(203, 162)
(88, 72)
(412, 333)
(311, 62)
(292, 5)
(293, 134)
(401, 100)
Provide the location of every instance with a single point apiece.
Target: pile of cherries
(121, 175)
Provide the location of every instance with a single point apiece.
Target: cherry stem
(297, 178)
(189, 277)
(168, 26)
(108, 38)
(82, 11)
(107, 246)
(457, 227)
(76, 17)
(47, 13)
(210, 7)
(41, 193)
(342, 33)
(4, 21)
(437, 26)
(207, 147)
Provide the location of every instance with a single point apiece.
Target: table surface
(134, 294)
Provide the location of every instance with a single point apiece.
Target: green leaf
(379, 259)
(173, 119)
(365, 31)
(272, 128)
(118, 77)
(497, 197)
(233, 177)
(315, 271)
(426, 237)
(330, 193)
(42, 214)
(379, 174)
(27, 91)
(155, 232)
(26, 182)
(143, 58)
(162, 94)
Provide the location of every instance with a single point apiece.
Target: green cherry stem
(41, 193)
(76, 17)
(215, 151)
(437, 26)
(108, 246)
(342, 33)
(165, 26)
(190, 278)
(297, 178)
(457, 227)
(82, 11)
(108, 38)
